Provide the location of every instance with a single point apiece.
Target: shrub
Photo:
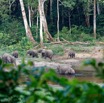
(7, 39)
(86, 37)
(12, 32)
(22, 46)
(75, 34)
(28, 84)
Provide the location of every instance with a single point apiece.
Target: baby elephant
(71, 54)
(32, 53)
(15, 54)
(7, 58)
(47, 54)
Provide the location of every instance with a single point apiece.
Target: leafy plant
(28, 84)
(99, 67)
(76, 34)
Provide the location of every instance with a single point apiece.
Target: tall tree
(27, 29)
(87, 10)
(94, 19)
(43, 18)
(51, 18)
(70, 5)
(58, 20)
(32, 10)
(41, 25)
(98, 8)
(29, 11)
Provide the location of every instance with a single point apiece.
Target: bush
(86, 37)
(99, 67)
(28, 84)
(12, 32)
(65, 34)
(22, 46)
(8, 39)
(76, 34)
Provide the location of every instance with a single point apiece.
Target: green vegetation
(76, 20)
(76, 34)
(57, 49)
(22, 46)
(27, 84)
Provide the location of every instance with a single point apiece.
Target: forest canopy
(72, 20)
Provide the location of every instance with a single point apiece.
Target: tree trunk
(41, 33)
(69, 22)
(51, 18)
(94, 21)
(37, 23)
(87, 14)
(41, 26)
(29, 11)
(87, 18)
(44, 22)
(32, 16)
(62, 16)
(98, 8)
(58, 20)
(27, 29)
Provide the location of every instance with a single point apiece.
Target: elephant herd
(11, 58)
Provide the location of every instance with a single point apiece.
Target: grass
(57, 49)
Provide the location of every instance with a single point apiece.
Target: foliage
(76, 34)
(4, 11)
(11, 23)
(99, 67)
(101, 39)
(11, 33)
(69, 3)
(35, 33)
(9, 80)
(57, 49)
(28, 84)
(22, 46)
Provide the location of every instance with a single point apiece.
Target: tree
(94, 19)
(98, 8)
(58, 20)
(32, 10)
(4, 10)
(41, 25)
(29, 11)
(87, 9)
(43, 18)
(27, 29)
(51, 18)
(70, 5)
